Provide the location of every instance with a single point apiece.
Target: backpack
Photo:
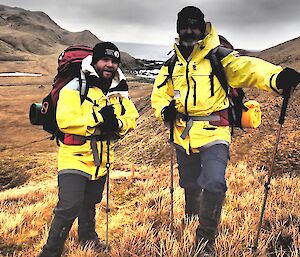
(235, 95)
(69, 64)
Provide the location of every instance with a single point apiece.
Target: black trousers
(76, 192)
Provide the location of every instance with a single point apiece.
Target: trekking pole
(171, 140)
(107, 209)
(171, 176)
(269, 175)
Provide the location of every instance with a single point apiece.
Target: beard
(107, 74)
(100, 82)
(189, 40)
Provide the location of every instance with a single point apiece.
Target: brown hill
(34, 36)
(37, 33)
(286, 54)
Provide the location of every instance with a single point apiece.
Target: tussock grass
(139, 222)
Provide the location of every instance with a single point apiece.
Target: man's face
(106, 67)
(189, 35)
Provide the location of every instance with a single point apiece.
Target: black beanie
(105, 49)
(190, 15)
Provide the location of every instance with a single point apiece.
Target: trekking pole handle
(287, 94)
(172, 123)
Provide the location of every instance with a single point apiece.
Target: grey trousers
(76, 192)
(205, 170)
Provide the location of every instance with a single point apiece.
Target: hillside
(27, 32)
(33, 38)
(286, 54)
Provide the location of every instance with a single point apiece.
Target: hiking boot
(192, 204)
(209, 216)
(96, 244)
(206, 254)
(58, 234)
(205, 248)
(87, 234)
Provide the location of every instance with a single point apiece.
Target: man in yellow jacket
(191, 99)
(105, 114)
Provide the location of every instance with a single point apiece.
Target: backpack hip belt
(190, 119)
(80, 140)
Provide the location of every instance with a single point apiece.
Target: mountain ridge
(25, 33)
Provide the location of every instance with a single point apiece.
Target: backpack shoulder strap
(222, 52)
(215, 56)
(83, 86)
(170, 63)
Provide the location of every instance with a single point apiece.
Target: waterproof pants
(202, 175)
(204, 170)
(77, 199)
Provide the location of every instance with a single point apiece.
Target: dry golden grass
(139, 223)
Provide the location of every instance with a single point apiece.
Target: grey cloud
(253, 12)
(154, 21)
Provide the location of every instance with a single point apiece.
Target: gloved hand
(169, 112)
(287, 79)
(110, 122)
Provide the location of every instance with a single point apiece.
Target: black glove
(169, 112)
(287, 79)
(110, 122)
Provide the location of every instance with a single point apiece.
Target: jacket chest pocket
(179, 86)
(200, 88)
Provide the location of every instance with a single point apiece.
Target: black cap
(105, 49)
(190, 16)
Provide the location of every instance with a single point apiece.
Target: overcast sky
(248, 24)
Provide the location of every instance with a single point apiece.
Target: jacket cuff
(273, 84)
(162, 114)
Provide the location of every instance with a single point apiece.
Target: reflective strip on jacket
(76, 118)
(190, 86)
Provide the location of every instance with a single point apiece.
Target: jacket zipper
(195, 91)
(188, 88)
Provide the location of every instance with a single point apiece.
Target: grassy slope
(139, 223)
(139, 220)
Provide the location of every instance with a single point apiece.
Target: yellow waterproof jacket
(78, 119)
(190, 86)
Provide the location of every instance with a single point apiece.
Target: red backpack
(69, 64)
